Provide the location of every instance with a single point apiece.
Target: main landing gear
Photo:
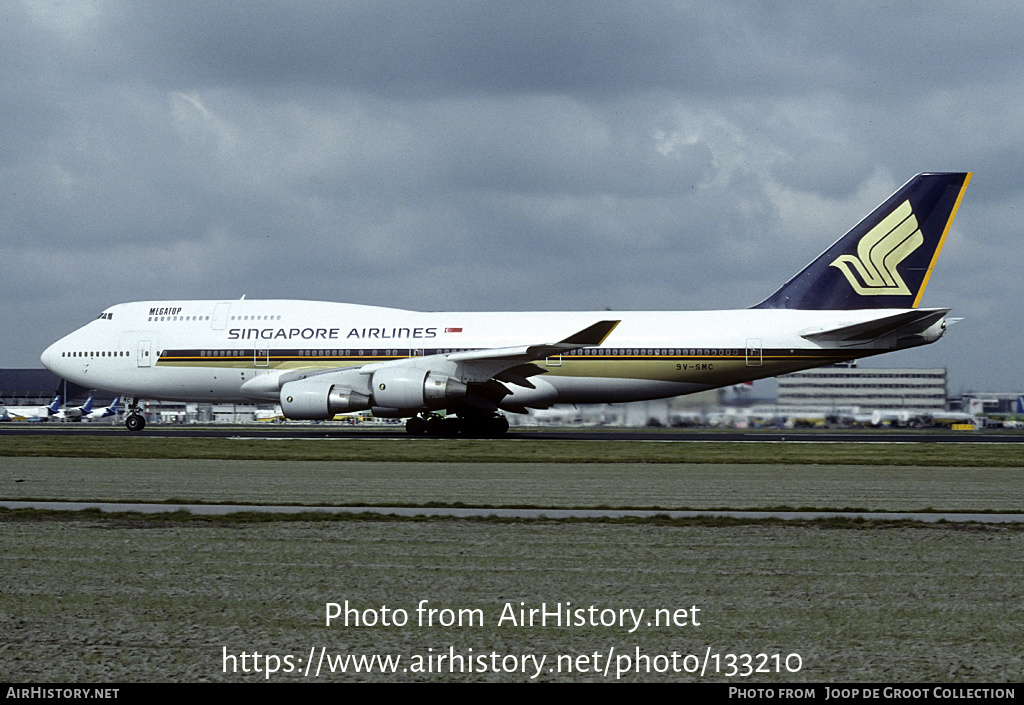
(135, 421)
(472, 426)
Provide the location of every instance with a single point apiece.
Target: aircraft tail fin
(54, 406)
(885, 261)
(87, 406)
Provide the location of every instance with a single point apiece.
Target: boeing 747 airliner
(317, 359)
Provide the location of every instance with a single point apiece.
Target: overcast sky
(500, 156)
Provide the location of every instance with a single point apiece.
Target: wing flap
(520, 375)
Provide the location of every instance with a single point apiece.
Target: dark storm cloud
(414, 48)
(469, 155)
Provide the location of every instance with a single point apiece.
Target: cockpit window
(107, 316)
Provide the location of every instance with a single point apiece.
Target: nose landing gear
(135, 421)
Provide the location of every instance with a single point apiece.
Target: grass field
(801, 449)
(91, 598)
(549, 485)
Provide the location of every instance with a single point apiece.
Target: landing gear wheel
(447, 426)
(416, 426)
(484, 426)
(135, 422)
(434, 425)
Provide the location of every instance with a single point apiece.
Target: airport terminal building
(27, 387)
(843, 387)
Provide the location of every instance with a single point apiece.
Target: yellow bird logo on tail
(873, 271)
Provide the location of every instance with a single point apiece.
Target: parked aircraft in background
(103, 412)
(318, 359)
(74, 413)
(272, 415)
(31, 413)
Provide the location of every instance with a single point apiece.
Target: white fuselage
(207, 350)
(25, 413)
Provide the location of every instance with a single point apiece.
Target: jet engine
(392, 392)
(404, 391)
(313, 399)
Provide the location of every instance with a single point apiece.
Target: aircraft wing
(490, 367)
(507, 364)
(591, 336)
(903, 324)
(481, 365)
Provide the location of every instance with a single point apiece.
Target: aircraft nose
(50, 357)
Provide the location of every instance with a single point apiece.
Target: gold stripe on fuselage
(702, 369)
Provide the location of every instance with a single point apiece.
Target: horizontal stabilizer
(905, 323)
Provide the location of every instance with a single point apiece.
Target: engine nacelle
(314, 399)
(520, 398)
(413, 390)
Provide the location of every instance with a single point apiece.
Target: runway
(321, 431)
(429, 477)
(516, 513)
